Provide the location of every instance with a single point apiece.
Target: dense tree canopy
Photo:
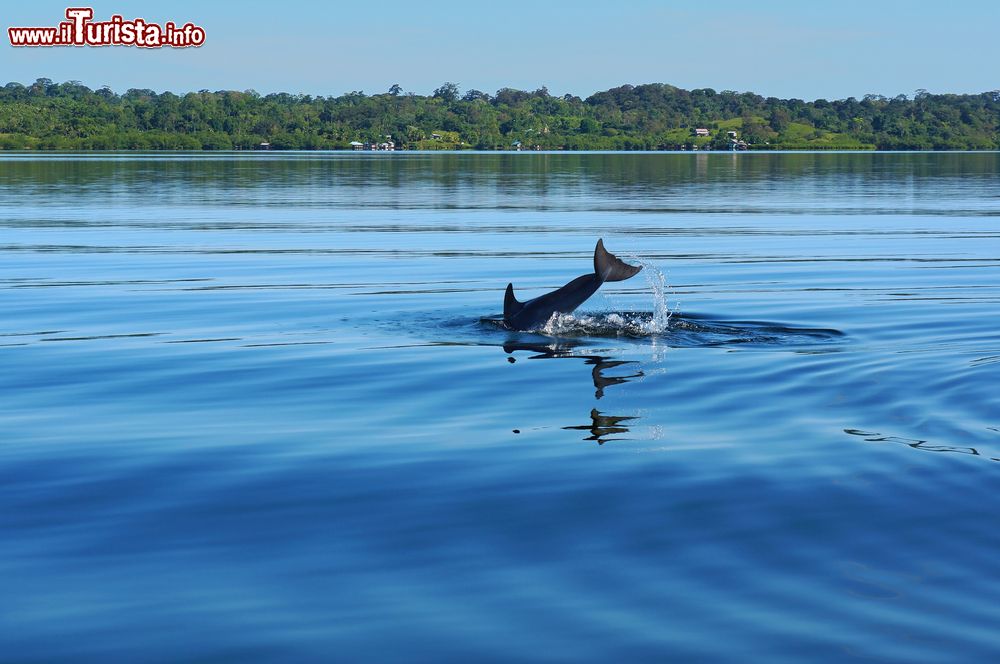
(47, 115)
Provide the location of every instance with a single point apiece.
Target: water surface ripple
(258, 407)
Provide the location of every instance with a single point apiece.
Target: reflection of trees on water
(602, 426)
(456, 180)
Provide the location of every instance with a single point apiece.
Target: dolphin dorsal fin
(608, 267)
(511, 307)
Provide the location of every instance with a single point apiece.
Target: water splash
(656, 279)
(624, 323)
(620, 323)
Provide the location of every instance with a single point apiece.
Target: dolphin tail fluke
(607, 266)
(510, 304)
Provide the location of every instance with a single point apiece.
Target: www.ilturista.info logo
(80, 30)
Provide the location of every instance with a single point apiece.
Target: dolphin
(534, 313)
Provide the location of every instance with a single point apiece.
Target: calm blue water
(250, 409)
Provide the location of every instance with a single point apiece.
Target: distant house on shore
(731, 134)
(700, 131)
(357, 145)
(264, 146)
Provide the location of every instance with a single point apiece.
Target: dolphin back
(609, 267)
(532, 314)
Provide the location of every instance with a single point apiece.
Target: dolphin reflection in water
(603, 427)
(566, 349)
(535, 313)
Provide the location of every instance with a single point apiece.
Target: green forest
(70, 116)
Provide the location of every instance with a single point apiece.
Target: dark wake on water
(664, 323)
(680, 330)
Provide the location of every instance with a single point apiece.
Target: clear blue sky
(783, 48)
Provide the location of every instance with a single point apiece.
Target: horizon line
(406, 93)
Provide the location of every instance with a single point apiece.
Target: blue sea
(256, 407)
